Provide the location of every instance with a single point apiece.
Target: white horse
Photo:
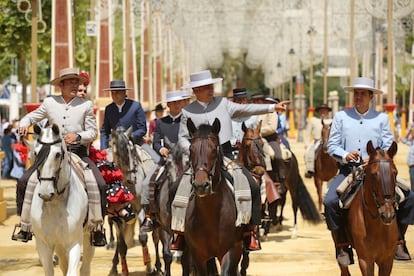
(59, 207)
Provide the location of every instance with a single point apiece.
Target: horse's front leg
(366, 266)
(46, 257)
(230, 261)
(74, 259)
(143, 240)
(88, 253)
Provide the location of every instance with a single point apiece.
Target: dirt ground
(311, 253)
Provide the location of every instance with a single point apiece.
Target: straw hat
(363, 83)
(201, 78)
(68, 73)
(117, 85)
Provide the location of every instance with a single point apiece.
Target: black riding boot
(402, 253)
(344, 254)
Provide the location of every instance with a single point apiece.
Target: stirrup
(98, 238)
(22, 236)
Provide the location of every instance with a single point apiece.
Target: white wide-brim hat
(363, 83)
(68, 73)
(201, 78)
(177, 95)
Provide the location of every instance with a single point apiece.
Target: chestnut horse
(210, 229)
(371, 220)
(325, 165)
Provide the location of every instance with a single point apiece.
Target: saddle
(350, 186)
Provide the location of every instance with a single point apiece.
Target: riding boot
(251, 239)
(402, 253)
(344, 254)
(147, 224)
(179, 242)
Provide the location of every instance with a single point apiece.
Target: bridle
(388, 190)
(256, 151)
(201, 165)
(54, 179)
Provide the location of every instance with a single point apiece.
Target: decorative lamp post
(292, 130)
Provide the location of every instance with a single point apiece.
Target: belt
(272, 137)
(79, 150)
(411, 166)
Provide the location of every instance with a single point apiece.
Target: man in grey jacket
(204, 110)
(77, 123)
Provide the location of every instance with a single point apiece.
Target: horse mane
(121, 143)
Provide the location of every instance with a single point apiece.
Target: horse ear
(259, 126)
(370, 148)
(216, 126)
(244, 127)
(37, 129)
(55, 129)
(191, 127)
(128, 132)
(393, 149)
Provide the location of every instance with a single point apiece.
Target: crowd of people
(73, 112)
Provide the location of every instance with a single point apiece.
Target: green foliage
(15, 42)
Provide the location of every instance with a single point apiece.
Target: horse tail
(304, 200)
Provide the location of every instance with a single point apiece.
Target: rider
(78, 126)
(203, 110)
(350, 132)
(166, 126)
(314, 130)
(240, 97)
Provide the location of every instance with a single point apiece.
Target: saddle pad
(78, 167)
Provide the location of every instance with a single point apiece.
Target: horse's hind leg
(143, 240)
(115, 262)
(166, 252)
(384, 268)
(111, 243)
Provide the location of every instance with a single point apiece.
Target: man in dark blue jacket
(122, 112)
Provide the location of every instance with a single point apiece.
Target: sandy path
(310, 254)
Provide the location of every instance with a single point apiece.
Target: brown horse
(325, 165)
(371, 220)
(210, 229)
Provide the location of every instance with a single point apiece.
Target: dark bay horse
(210, 229)
(325, 165)
(371, 220)
(135, 165)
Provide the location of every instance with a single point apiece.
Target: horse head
(326, 130)
(206, 157)
(123, 153)
(251, 154)
(49, 161)
(380, 181)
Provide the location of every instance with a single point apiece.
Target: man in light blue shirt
(350, 132)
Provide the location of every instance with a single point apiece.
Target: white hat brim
(352, 88)
(174, 99)
(202, 83)
(58, 80)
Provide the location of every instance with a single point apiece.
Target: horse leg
(367, 267)
(143, 240)
(74, 259)
(46, 258)
(244, 263)
(88, 253)
(385, 267)
(156, 241)
(111, 243)
(230, 261)
(212, 267)
(115, 262)
(294, 234)
(166, 252)
(122, 250)
(318, 184)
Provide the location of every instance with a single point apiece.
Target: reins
(386, 189)
(54, 179)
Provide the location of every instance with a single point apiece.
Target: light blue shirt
(410, 156)
(351, 131)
